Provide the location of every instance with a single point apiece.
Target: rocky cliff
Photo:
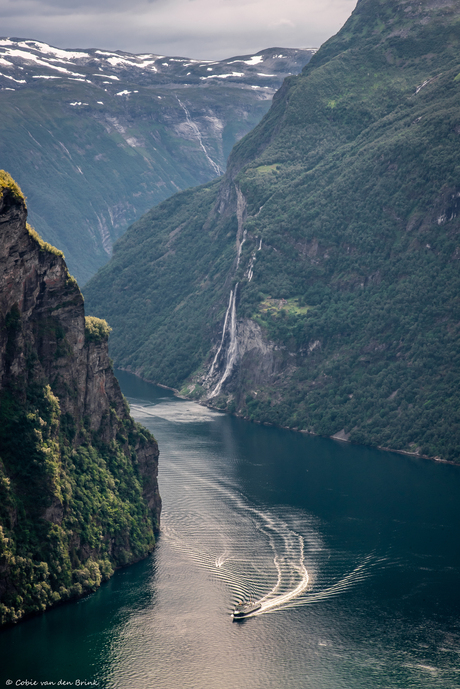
(78, 478)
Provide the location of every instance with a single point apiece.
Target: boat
(245, 609)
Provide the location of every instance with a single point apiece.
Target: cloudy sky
(207, 29)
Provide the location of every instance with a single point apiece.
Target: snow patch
(133, 142)
(49, 50)
(224, 76)
(33, 58)
(18, 81)
(254, 60)
(117, 61)
(104, 52)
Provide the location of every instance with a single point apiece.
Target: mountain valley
(315, 285)
(95, 138)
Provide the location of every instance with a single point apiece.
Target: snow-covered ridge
(25, 60)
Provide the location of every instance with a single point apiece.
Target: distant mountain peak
(36, 59)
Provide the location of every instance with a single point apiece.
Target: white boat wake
(274, 599)
(275, 557)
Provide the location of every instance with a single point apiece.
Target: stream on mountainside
(352, 553)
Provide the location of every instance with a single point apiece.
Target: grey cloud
(208, 29)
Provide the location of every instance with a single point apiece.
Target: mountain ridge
(315, 286)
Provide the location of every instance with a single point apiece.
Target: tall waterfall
(227, 352)
(231, 354)
(217, 169)
(250, 270)
(224, 330)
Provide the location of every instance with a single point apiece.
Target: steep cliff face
(78, 478)
(316, 284)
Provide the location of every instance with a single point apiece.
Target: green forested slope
(347, 311)
(78, 478)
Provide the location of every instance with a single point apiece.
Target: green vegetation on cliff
(96, 329)
(44, 246)
(69, 512)
(7, 182)
(78, 478)
(347, 197)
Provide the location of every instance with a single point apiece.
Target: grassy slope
(358, 221)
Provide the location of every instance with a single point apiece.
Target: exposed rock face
(73, 465)
(247, 357)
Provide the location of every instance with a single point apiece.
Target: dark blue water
(354, 554)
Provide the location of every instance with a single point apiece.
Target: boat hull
(246, 609)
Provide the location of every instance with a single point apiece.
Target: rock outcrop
(78, 478)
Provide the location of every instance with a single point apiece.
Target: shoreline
(438, 460)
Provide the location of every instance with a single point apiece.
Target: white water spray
(241, 233)
(195, 129)
(250, 271)
(224, 330)
(232, 351)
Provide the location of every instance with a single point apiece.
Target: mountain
(78, 478)
(316, 285)
(95, 138)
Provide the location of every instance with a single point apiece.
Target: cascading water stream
(194, 127)
(230, 326)
(250, 271)
(224, 330)
(232, 351)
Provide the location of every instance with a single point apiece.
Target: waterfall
(194, 127)
(224, 330)
(250, 271)
(229, 352)
(241, 233)
(239, 249)
(232, 351)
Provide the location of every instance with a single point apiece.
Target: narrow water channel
(352, 553)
